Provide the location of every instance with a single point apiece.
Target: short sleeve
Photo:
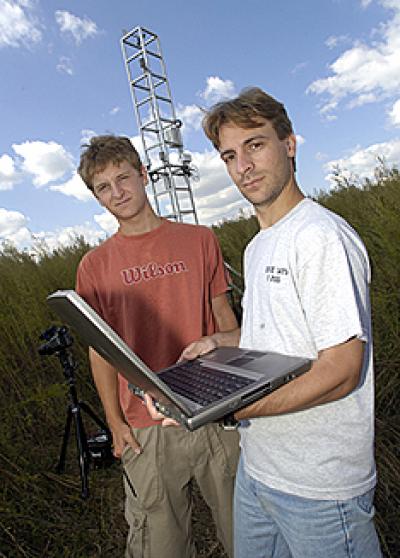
(85, 283)
(333, 285)
(218, 276)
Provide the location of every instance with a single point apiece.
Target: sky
(335, 64)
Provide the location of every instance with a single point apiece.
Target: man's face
(258, 162)
(121, 190)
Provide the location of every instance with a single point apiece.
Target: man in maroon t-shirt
(160, 285)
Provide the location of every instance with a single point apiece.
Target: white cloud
(362, 99)
(216, 197)
(394, 114)
(10, 221)
(333, 41)
(14, 230)
(45, 161)
(300, 140)
(67, 236)
(18, 26)
(65, 65)
(363, 162)
(300, 66)
(74, 187)
(8, 174)
(218, 89)
(86, 136)
(107, 222)
(330, 117)
(320, 156)
(191, 116)
(13, 227)
(80, 29)
(364, 73)
(114, 111)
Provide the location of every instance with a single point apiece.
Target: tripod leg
(85, 407)
(83, 451)
(61, 462)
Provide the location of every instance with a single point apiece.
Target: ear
(144, 173)
(291, 143)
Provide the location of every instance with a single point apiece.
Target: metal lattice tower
(169, 167)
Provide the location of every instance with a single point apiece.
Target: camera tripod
(58, 341)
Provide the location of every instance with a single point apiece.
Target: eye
(255, 145)
(228, 158)
(101, 189)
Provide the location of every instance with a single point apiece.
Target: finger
(117, 450)
(182, 357)
(134, 444)
(169, 422)
(187, 350)
(155, 415)
(191, 352)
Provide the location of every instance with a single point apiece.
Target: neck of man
(290, 196)
(144, 222)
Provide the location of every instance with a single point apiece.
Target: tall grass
(41, 512)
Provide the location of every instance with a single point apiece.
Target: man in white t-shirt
(306, 478)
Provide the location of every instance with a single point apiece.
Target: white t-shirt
(307, 289)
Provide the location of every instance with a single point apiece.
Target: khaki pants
(159, 516)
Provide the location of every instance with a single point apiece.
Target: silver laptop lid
(98, 334)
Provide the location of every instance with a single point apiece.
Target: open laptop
(196, 392)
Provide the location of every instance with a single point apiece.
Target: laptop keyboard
(202, 384)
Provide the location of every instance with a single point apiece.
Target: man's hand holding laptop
(155, 413)
(201, 347)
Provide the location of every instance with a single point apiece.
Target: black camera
(100, 450)
(58, 339)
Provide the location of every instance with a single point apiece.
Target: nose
(116, 190)
(244, 162)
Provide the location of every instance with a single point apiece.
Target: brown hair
(102, 150)
(245, 111)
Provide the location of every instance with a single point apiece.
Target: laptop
(196, 392)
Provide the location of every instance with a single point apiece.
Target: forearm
(332, 376)
(224, 316)
(227, 338)
(106, 380)
(228, 334)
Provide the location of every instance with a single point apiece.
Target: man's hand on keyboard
(200, 347)
(209, 343)
(155, 414)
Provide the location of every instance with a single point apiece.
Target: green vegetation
(41, 512)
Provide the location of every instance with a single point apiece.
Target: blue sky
(334, 63)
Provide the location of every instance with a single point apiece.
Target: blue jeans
(272, 524)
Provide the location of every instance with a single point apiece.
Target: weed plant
(41, 512)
